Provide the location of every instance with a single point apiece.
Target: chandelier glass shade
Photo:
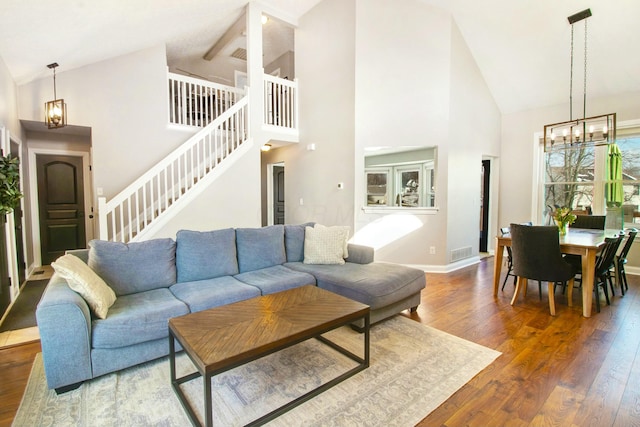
(55, 112)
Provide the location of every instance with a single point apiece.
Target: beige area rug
(414, 369)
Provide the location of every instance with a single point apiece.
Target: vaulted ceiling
(520, 46)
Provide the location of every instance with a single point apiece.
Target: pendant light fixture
(591, 131)
(55, 111)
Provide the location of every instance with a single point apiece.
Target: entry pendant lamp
(587, 131)
(55, 112)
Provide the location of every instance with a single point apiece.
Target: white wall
(124, 101)
(8, 101)
(474, 134)
(324, 67)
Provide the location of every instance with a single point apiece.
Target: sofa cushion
(377, 284)
(202, 294)
(205, 255)
(134, 267)
(137, 318)
(294, 241)
(83, 280)
(275, 279)
(260, 247)
(324, 245)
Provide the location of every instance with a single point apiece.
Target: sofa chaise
(158, 279)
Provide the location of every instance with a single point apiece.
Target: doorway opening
(484, 205)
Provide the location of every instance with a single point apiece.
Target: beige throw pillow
(324, 245)
(345, 235)
(82, 279)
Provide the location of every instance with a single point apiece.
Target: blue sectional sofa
(158, 279)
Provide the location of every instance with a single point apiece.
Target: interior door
(278, 195)
(484, 206)
(60, 204)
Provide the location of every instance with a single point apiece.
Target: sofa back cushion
(260, 247)
(134, 267)
(205, 255)
(294, 241)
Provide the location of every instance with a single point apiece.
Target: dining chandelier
(55, 112)
(587, 131)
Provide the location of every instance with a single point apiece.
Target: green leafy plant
(10, 193)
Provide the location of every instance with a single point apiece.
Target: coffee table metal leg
(208, 411)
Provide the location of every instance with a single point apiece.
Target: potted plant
(10, 193)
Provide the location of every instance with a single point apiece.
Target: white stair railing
(196, 102)
(280, 102)
(129, 215)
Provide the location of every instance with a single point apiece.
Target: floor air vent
(460, 253)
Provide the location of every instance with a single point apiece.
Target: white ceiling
(520, 46)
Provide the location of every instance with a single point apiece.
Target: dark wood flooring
(554, 371)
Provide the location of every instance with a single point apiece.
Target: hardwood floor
(554, 371)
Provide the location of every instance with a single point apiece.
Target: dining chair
(592, 222)
(505, 231)
(621, 260)
(536, 256)
(604, 261)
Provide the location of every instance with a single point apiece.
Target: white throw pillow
(82, 279)
(345, 230)
(323, 245)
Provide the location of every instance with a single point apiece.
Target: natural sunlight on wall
(386, 230)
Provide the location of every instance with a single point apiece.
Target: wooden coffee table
(225, 337)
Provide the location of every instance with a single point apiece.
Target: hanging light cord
(54, 84)
(571, 79)
(584, 92)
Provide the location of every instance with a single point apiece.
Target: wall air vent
(461, 253)
(240, 53)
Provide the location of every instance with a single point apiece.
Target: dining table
(578, 241)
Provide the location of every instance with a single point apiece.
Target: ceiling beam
(228, 37)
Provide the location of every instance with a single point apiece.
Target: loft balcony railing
(197, 102)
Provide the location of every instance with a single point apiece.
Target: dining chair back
(592, 222)
(604, 262)
(504, 231)
(537, 256)
(621, 260)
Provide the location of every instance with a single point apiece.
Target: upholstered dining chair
(621, 260)
(592, 222)
(536, 256)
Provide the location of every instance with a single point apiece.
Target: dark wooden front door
(61, 205)
(278, 195)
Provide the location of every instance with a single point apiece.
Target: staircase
(147, 204)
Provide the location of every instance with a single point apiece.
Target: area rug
(414, 369)
(23, 311)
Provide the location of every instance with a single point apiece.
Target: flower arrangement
(563, 217)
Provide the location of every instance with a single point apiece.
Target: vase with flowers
(563, 217)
